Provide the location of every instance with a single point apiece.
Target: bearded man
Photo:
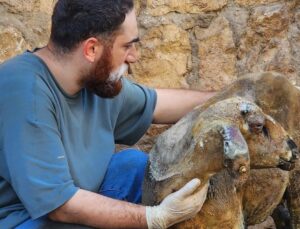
(63, 108)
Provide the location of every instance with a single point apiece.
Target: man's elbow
(66, 213)
(57, 215)
(63, 214)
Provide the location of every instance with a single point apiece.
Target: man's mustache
(116, 75)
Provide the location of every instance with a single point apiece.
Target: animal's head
(269, 144)
(194, 149)
(220, 136)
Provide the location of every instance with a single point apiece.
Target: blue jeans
(123, 181)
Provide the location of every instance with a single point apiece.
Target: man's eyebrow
(135, 40)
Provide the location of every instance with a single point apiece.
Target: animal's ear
(236, 153)
(235, 145)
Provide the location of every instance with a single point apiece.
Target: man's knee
(125, 175)
(132, 158)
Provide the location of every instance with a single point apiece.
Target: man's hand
(178, 206)
(94, 210)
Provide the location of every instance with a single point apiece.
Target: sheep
(194, 147)
(277, 97)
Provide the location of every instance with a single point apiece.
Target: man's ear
(92, 49)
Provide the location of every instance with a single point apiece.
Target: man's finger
(202, 192)
(189, 188)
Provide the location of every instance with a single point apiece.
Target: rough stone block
(161, 7)
(165, 57)
(254, 2)
(217, 55)
(12, 42)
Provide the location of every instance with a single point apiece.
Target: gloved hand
(178, 206)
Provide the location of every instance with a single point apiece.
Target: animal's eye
(244, 112)
(260, 127)
(265, 132)
(245, 108)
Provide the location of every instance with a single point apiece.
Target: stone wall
(197, 44)
(206, 44)
(24, 24)
(200, 44)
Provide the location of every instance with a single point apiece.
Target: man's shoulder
(23, 78)
(25, 63)
(21, 70)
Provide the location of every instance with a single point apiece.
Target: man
(64, 106)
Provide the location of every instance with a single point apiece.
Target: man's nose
(132, 56)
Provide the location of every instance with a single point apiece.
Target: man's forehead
(129, 27)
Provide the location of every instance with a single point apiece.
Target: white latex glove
(178, 206)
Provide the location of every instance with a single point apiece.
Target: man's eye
(128, 46)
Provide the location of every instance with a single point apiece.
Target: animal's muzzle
(289, 165)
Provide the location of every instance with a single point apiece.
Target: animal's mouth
(283, 164)
(286, 165)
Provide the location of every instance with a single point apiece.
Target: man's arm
(91, 209)
(173, 104)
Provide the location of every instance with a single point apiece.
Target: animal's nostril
(295, 154)
(292, 145)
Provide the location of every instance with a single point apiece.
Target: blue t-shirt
(52, 144)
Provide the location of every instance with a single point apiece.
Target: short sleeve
(136, 113)
(32, 148)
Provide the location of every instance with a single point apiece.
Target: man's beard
(102, 81)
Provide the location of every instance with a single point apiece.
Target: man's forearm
(173, 104)
(91, 209)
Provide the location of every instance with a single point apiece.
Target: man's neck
(64, 69)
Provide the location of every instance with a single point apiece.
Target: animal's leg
(293, 198)
(281, 216)
(263, 191)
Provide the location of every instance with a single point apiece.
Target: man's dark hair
(76, 20)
